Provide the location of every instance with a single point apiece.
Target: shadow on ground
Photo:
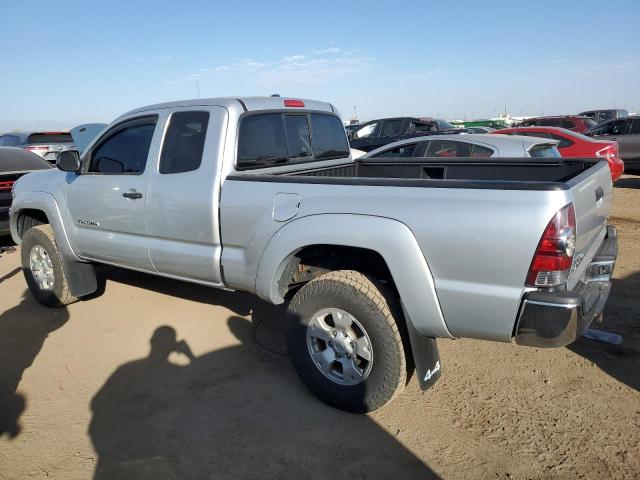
(23, 330)
(622, 316)
(231, 413)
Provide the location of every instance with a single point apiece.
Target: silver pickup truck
(375, 258)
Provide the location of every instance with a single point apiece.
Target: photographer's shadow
(231, 413)
(23, 331)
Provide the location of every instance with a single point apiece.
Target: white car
(471, 145)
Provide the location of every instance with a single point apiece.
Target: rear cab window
(57, 137)
(270, 139)
(416, 127)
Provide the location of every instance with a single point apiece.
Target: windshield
(444, 124)
(544, 151)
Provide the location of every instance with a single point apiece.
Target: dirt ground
(157, 379)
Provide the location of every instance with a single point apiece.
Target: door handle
(132, 194)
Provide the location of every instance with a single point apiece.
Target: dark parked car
(352, 127)
(14, 162)
(600, 116)
(625, 131)
(44, 144)
(377, 133)
(574, 123)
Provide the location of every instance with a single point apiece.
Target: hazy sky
(64, 63)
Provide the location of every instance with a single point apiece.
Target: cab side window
(126, 150)
(366, 131)
(448, 148)
(564, 142)
(184, 142)
(391, 128)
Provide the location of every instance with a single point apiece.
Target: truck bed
(502, 174)
(477, 222)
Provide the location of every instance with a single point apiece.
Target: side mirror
(68, 161)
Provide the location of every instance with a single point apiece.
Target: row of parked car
(617, 139)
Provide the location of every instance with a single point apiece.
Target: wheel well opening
(314, 260)
(30, 218)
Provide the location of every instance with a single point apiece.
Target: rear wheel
(42, 267)
(344, 342)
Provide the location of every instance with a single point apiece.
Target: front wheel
(344, 342)
(42, 267)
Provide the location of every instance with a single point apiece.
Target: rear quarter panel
(478, 244)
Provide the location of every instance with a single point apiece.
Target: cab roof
(245, 103)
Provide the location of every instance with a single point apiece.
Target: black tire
(59, 295)
(354, 293)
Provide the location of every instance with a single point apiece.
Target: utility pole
(197, 89)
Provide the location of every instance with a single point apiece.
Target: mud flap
(425, 356)
(81, 277)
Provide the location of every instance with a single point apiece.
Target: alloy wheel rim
(41, 268)
(339, 346)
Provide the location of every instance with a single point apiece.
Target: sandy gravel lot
(157, 379)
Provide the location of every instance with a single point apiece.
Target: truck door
(183, 196)
(107, 200)
(633, 141)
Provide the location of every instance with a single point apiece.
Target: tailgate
(592, 198)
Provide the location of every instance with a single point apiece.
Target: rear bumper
(554, 319)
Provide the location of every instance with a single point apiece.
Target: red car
(575, 123)
(575, 145)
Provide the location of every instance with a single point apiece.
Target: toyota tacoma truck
(375, 258)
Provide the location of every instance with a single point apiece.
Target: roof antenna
(276, 95)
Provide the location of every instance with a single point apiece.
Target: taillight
(607, 152)
(294, 103)
(36, 148)
(553, 258)
(6, 186)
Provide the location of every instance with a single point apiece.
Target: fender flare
(80, 275)
(392, 239)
